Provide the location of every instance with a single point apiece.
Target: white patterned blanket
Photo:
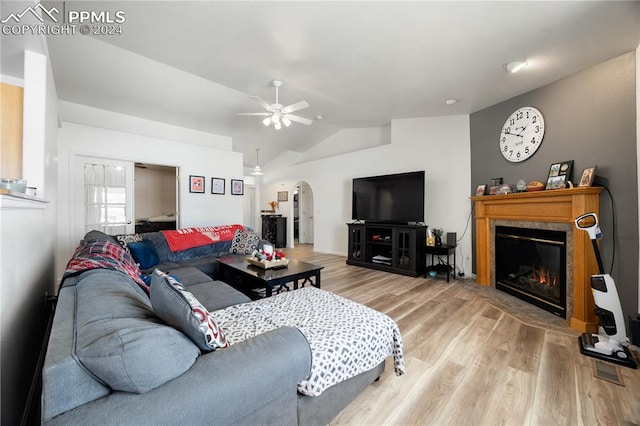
(346, 338)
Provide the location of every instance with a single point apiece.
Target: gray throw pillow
(180, 309)
(121, 341)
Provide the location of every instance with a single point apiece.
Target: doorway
(303, 213)
(156, 197)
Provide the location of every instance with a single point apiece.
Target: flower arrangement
(262, 255)
(437, 232)
(273, 205)
(270, 258)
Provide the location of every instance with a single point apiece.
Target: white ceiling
(357, 63)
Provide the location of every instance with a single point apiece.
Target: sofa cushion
(216, 295)
(125, 239)
(144, 252)
(121, 341)
(180, 309)
(244, 242)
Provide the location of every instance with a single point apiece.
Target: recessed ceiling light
(451, 101)
(515, 66)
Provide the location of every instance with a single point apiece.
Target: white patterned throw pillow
(181, 310)
(244, 242)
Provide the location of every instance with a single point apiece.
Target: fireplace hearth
(531, 265)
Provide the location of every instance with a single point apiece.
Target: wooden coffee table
(236, 271)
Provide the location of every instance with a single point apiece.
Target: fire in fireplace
(531, 265)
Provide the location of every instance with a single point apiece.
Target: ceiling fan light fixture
(515, 66)
(277, 114)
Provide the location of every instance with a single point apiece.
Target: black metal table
(442, 251)
(236, 271)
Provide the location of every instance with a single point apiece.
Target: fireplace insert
(531, 265)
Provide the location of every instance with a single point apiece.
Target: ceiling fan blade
(298, 119)
(295, 107)
(253, 113)
(263, 103)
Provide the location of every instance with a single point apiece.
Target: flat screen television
(396, 198)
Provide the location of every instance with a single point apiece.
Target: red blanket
(185, 238)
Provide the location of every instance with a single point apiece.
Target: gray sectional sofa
(111, 360)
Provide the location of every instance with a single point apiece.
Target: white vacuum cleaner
(610, 344)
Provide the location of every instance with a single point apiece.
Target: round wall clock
(522, 134)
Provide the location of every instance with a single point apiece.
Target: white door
(249, 212)
(102, 196)
(305, 206)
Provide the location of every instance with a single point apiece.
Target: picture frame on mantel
(559, 175)
(588, 175)
(481, 190)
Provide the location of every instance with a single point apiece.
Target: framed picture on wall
(237, 187)
(217, 185)
(283, 196)
(196, 184)
(587, 176)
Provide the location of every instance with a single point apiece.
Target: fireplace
(555, 210)
(531, 264)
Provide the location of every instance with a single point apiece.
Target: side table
(442, 251)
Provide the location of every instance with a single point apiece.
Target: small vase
(438, 241)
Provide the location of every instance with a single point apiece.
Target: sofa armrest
(221, 387)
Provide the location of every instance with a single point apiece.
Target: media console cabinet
(393, 248)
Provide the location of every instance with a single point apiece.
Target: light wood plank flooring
(475, 356)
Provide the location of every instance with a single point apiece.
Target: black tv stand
(397, 248)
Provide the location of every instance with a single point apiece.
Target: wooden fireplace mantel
(559, 206)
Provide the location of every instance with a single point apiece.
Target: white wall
(349, 140)
(27, 238)
(438, 145)
(133, 145)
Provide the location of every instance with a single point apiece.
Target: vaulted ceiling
(358, 64)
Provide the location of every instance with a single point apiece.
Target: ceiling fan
(277, 114)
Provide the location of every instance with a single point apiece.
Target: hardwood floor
(475, 356)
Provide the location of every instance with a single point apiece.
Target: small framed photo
(217, 186)
(587, 176)
(196, 184)
(481, 190)
(237, 187)
(559, 175)
(493, 186)
(283, 195)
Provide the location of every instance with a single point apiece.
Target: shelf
(401, 245)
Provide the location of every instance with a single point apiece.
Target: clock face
(522, 134)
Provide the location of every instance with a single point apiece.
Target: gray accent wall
(590, 117)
